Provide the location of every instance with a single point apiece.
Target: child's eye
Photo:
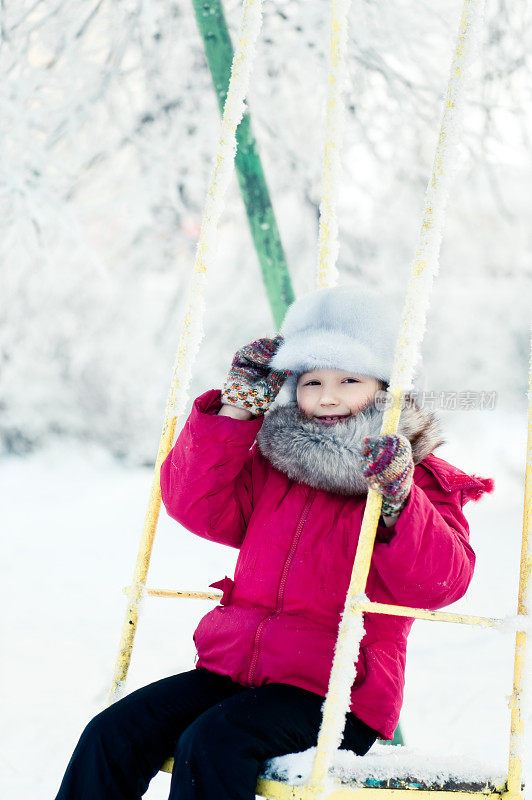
(309, 383)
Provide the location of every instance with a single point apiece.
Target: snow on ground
(71, 519)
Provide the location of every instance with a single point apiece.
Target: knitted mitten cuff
(389, 469)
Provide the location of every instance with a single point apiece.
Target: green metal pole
(219, 52)
(397, 737)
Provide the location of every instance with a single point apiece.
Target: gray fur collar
(330, 457)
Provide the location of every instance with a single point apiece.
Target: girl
(287, 487)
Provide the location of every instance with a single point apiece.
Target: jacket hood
(330, 458)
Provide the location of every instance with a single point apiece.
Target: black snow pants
(218, 731)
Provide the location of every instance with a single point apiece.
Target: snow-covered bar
(411, 768)
(356, 605)
(384, 772)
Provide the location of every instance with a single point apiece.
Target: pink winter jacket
(278, 620)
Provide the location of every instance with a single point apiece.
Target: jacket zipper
(282, 583)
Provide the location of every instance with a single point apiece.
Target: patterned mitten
(250, 383)
(389, 469)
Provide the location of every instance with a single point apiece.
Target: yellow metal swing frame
(424, 268)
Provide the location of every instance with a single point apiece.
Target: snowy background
(109, 123)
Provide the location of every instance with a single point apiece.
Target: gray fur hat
(345, 327)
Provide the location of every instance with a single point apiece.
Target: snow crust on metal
(383, 764)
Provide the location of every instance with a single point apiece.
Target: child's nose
(328, 398)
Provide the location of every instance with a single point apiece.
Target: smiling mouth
(330, 419)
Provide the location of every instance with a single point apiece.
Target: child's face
(335, 393)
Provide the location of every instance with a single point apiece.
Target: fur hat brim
(344, 327)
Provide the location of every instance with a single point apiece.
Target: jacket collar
(330, 458)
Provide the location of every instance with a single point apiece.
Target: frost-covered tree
(109, 126)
